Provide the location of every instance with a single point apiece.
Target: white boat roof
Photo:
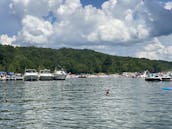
(30, 70)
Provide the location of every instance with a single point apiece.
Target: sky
(136, 28)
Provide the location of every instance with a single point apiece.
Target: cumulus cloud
(35, 30)
(116, 22)
(156, 50)
(78, 24)
(168, 5)
(90, 24)
(6, 40)
(20, 8)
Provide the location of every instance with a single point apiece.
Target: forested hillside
(74, 61)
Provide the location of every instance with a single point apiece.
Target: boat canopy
(2, 72)
(10, 73)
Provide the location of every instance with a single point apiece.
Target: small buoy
(107, 92)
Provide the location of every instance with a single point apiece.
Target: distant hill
(74, 61)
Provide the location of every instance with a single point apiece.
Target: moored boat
(19, 76)
(59, 74)
(10, 76)
(153, 77)
(3, 76)
(45, 75)
(166, 77)
(30, 75)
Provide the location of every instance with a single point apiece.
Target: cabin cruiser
(10, 76)
(166, 77)
(59, 74)
(19, 76)
(45, 75)
(153, 77)
(30, 75)
(3, 76)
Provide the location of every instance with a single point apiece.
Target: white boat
(145, 74)
(153, 77)
(10, 76)
(3, 76)
(30, 75)
(45, 75)
(19, 76)
(59, 75)
(166, 77)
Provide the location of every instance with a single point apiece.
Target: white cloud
(113, 30)
(54, 4)
(78, 24)
(117, 22)
(109, 6)
(142, 32)
(38, 8)
(93, 25)
(156, 50)
(6, 40)
(69, 7)
(168, 5)
(35, 30)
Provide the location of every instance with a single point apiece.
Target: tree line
(74, 61)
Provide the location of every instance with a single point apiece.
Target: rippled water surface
(82, 104)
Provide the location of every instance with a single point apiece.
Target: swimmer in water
(107, 92)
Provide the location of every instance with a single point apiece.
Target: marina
(33, 75)
(47, 75)
(163, 76)
(86, 64)
(153, 77)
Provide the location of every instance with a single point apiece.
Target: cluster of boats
(45, 74)
(158, 77)
(33, 75)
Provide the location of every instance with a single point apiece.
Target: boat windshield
(31, 71)
(45, 71)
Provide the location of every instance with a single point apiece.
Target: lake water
(81, 103)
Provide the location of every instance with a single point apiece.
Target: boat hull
(19, 79)
(59, 77)
(45, 78)
(166, 79)
(153, 79)
(2, 78)
(31, 78)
